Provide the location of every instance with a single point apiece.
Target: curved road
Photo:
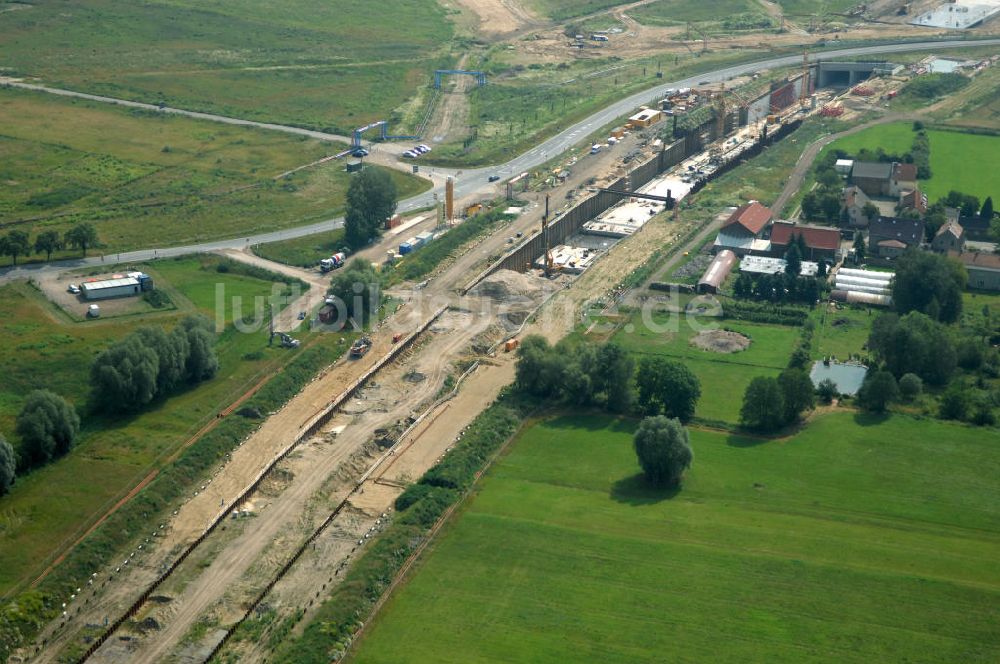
(467, 181)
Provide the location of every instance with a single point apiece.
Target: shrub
(827, 391)
(910, 386)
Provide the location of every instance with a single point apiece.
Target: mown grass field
(957, 158)
(331, 66)
(854, 541)
(38, 350)
(147, 180)
(842, 332)
(723, 377)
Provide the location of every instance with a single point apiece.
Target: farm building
(950, 237)
(890, 237)
(768, 265)
(119, 286)
(717, 271)
(821, 242)
(983, 269)
(744, 231)
(862, 287)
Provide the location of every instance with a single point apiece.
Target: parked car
(359, 152)
(425, 148)
(420, 149)
(73, 288)
(409, 154)
(494, 178)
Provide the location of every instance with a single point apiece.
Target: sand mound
(509, 287)
(720, 341)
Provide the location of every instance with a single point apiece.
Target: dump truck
(333, 262)
(361, 346)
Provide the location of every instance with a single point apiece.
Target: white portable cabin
(102, 290)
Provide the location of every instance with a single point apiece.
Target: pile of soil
(510, 287)
(720, 341)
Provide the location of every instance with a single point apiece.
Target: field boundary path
(468, 181)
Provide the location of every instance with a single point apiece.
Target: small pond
(848, 377)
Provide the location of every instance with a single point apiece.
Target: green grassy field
(855, 541)
(724, 377)
(332, 66)
(303, 251)
(956, 157)
(679, 12)
(52, 504)
(843, 332)
(559, 10)
(161, 179)
(763, 177)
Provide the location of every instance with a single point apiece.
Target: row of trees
(771, 403)
(18, 243)
(150, 363)
(577, 373)
(778, 288)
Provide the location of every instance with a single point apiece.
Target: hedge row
(21, 618)
(331, 630)
(761, 312)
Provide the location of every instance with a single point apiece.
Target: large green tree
(612, 376)
(123, 377)
(929, 283)
(357, 287)
(763, 405)
(48, 426)
(663, 449)
(878, 391)
(47, 242)
(14, 244)
(8, 465)
(797, 392)
(82, 236)
(914, 343)
(668, 387)
(371, 199)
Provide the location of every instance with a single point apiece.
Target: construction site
(277, 525)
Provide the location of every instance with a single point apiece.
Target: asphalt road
(468, 181)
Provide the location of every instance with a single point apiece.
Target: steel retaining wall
(521, 258)
(307, 429)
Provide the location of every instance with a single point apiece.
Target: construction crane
(804, 95)
(545, 239)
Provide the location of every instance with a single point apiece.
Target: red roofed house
(821, 242)
(745, 227)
